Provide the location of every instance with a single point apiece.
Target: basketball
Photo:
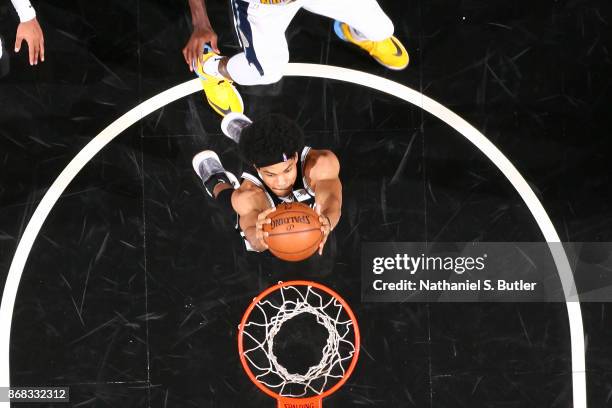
(294, 233)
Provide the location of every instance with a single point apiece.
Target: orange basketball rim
(262, 321)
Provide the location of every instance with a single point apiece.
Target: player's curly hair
(269, 140)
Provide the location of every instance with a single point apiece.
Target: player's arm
(30, 31)
(252, 210)
(202, 33)
(324, 178)
(325, 181)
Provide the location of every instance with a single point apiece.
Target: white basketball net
(265, 322)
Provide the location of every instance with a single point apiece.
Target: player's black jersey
(302, 192)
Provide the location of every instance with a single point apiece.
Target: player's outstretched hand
(199, 37)
(262, 219)
(325, 228)
(31, 32)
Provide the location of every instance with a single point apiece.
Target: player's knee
(271, 77)
(273, 71)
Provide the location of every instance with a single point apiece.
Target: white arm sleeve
(24, 9)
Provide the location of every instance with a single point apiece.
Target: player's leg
(261, 31)
(365, 24)
(218, 182)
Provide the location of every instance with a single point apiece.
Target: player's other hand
(325, 228)
(199, 37)
(31, 32)
(262, 219)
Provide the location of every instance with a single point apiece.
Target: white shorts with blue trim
(261, 31)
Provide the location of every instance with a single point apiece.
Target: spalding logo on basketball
(294, 232)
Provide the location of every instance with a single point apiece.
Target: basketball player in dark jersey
(282, 169)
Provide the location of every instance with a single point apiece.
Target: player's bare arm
(202, 33)
(29, 31)
(322, 169)
(252, 207)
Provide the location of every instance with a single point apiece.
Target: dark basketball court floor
(134, 287)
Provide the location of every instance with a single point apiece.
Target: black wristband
(215, 179)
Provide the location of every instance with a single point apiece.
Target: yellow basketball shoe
(221, 95)
(389, 52)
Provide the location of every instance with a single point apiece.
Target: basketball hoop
(263, 320)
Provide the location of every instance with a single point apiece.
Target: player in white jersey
(28, 30)
(281, 169)
(261, 25)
